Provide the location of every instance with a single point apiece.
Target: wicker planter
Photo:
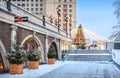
(33, 64)
(51, 60)
(16, 69)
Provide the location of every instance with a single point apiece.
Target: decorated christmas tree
(79, 41)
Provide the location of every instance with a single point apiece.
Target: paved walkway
(70, 69)
(85, 70)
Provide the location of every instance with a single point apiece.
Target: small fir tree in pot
(51, 55)
(16, 59)
(33, 59)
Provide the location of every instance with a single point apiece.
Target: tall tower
(49, 8)
(67, 10)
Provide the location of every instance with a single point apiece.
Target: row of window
(65, 10)
(30, 0)
(41, 0)
(65, 0)
(65, 6)
(41, 9)
(35, 4)
(35, 9)
(38, 13)
(23, 5)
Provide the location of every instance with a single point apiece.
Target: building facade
(50, 8)
(34, 32)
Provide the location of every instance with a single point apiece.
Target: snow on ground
(34, 73)
(116, 56)
(86, 69)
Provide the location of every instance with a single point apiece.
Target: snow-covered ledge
(116, 55)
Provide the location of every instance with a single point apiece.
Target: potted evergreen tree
(16, 59)
(51, 55)
(33, 59)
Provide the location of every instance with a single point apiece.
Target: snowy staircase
(88, 55)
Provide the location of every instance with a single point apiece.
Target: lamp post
(70, 24)
(9, 5)
(51, 19)
(66, 20)
(44, 20)
(58, 13)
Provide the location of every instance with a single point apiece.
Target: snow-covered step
(89, 56)
(88, 51)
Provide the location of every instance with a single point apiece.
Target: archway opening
(53, 45)
(29, 45)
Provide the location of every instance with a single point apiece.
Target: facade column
(46, 48)
(13, 37)
(60, 49)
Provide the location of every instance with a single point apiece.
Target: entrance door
(1, 64)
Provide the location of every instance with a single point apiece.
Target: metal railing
(65, 54)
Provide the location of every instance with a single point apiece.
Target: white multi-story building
(49, 8)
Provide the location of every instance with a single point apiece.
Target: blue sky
(97, 16)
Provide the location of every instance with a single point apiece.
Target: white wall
(109, 45)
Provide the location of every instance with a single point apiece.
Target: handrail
(66, 54)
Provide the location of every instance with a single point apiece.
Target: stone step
(89, 58)
(88, 55)
(88, 51)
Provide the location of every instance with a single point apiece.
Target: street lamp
(66, 20)
(56, 22)
(70, 24)
(44, 20)
(51, 19)
(9, 5)
(58, 13)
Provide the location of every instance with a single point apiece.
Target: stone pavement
(85, 70)
(70, 69)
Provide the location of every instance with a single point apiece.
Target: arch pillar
(46, 48)
(60, 50)
(3, 54)
(13, 36)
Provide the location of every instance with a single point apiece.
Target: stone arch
(3, 54)
(40, 47)
(56, 47)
